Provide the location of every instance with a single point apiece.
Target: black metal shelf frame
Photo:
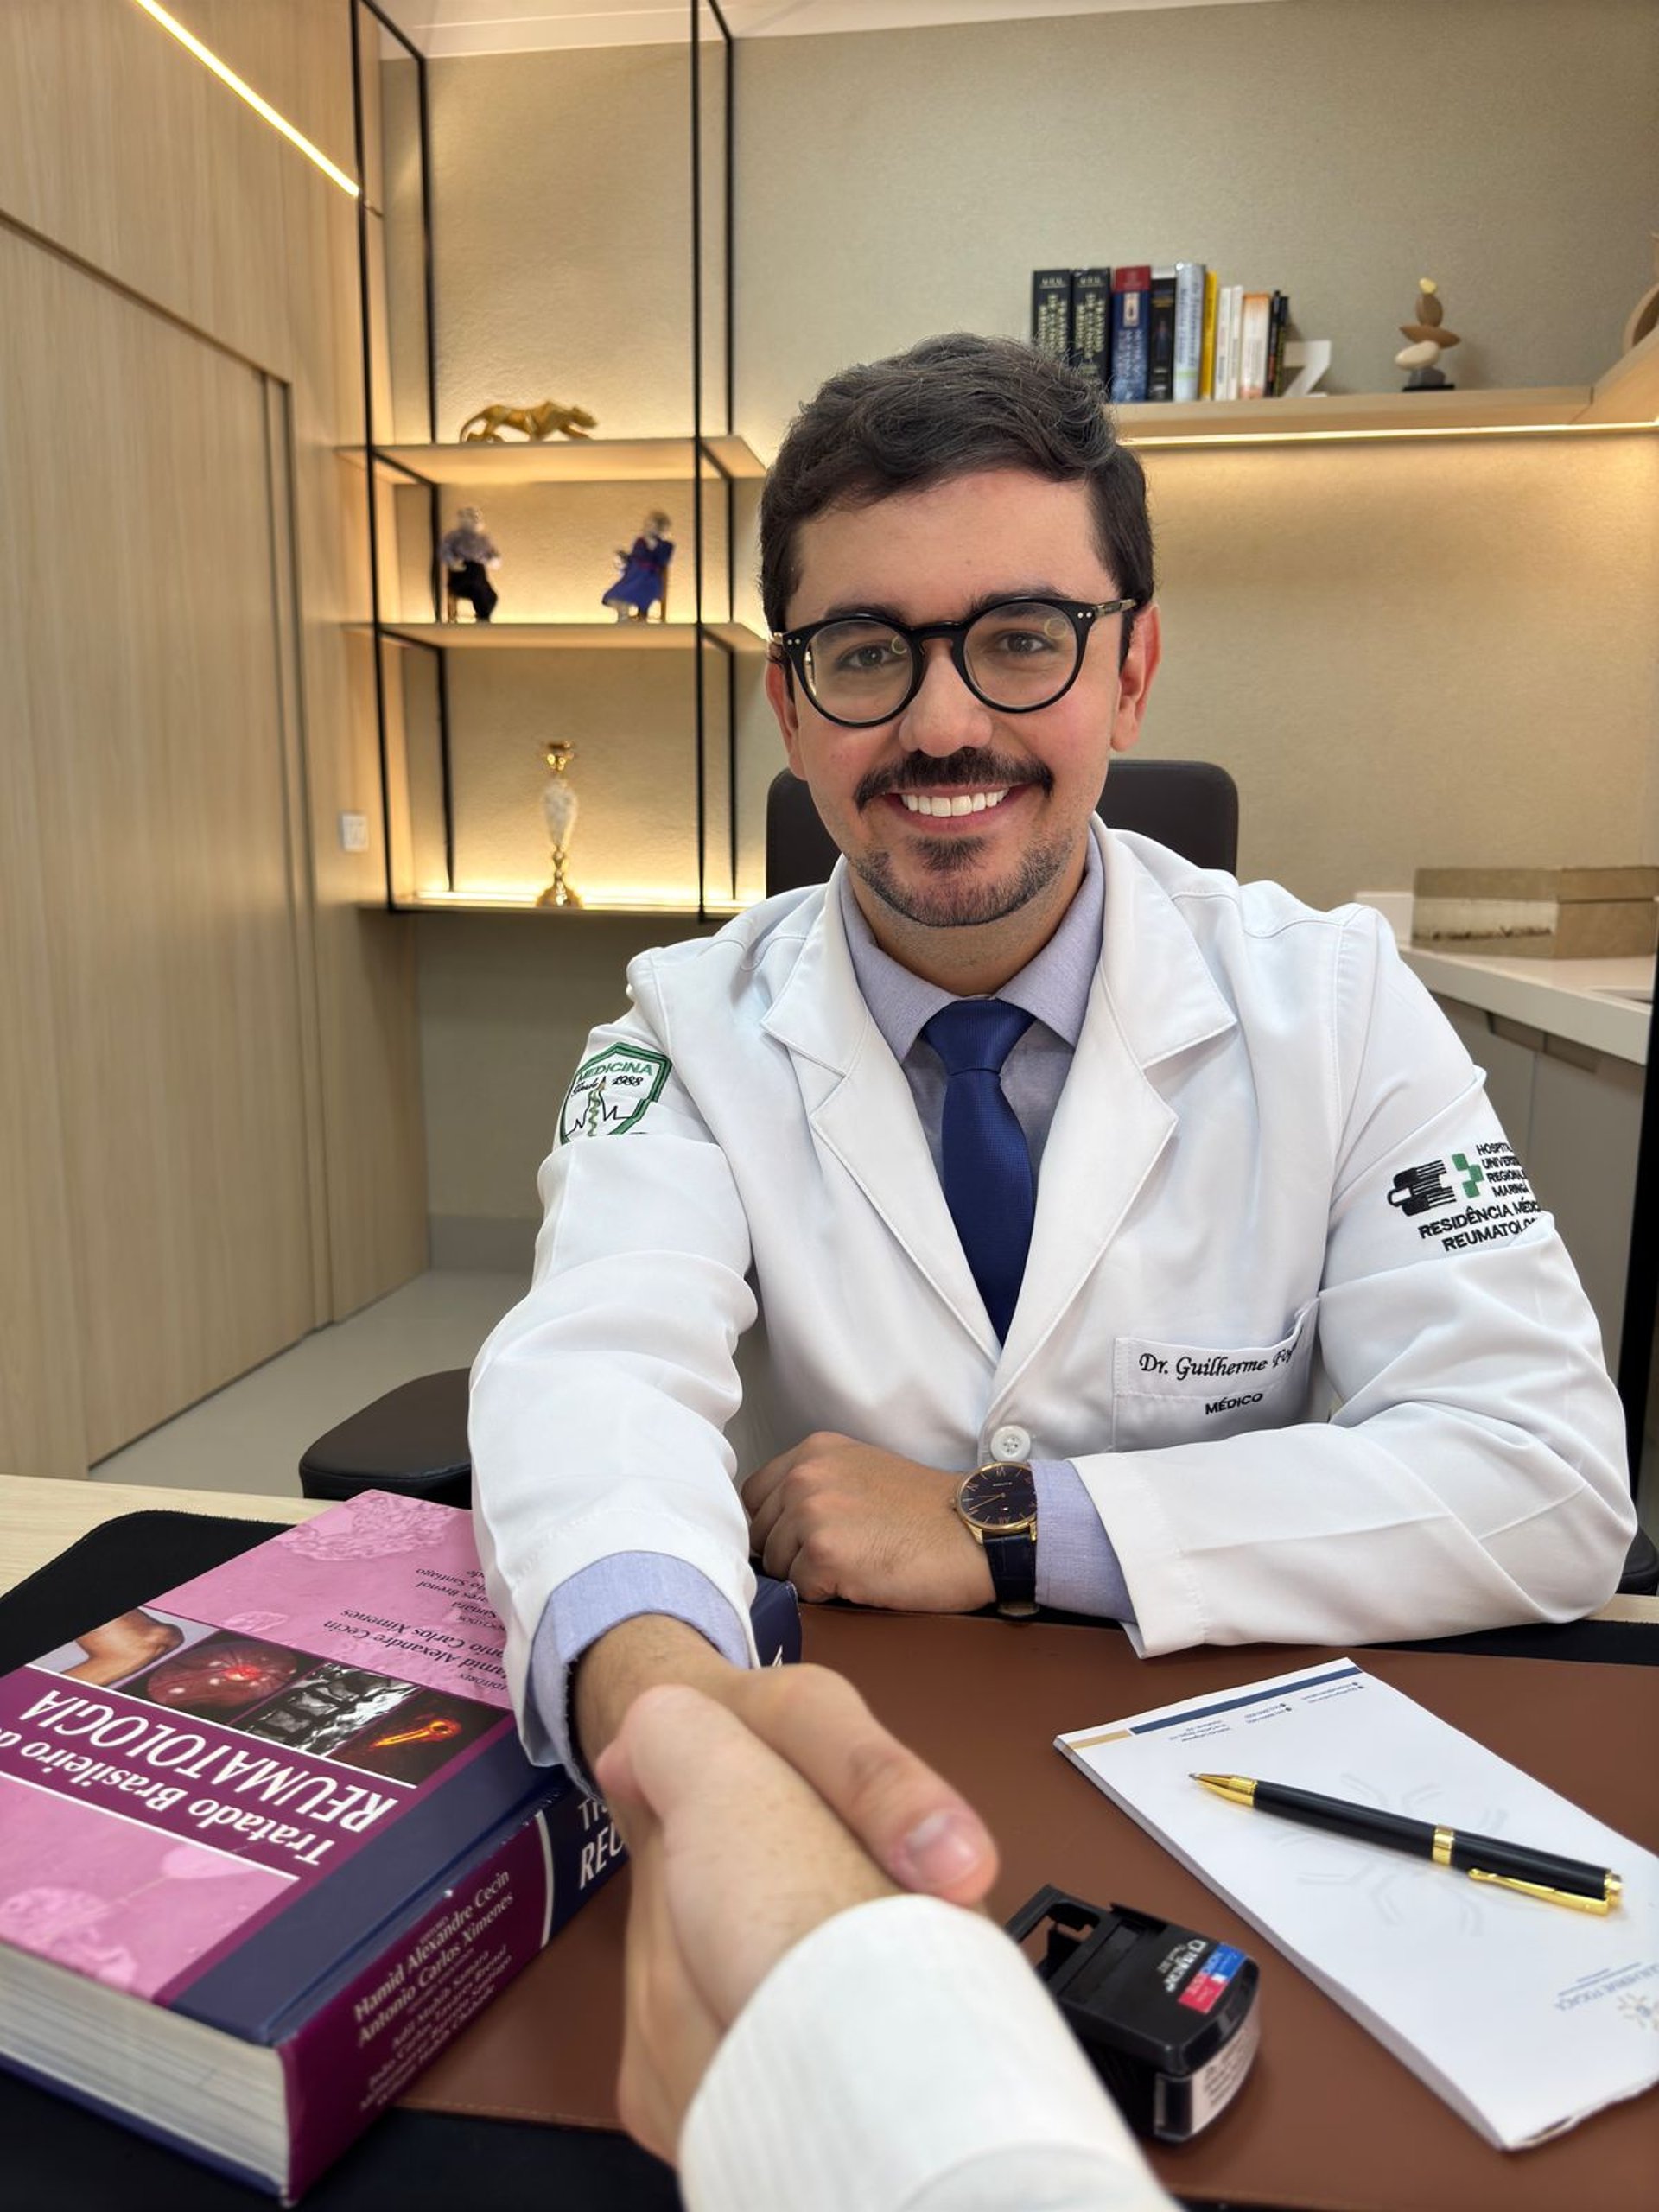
(377, 458)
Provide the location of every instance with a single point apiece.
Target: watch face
(1000, 1498)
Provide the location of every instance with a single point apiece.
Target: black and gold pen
(1545, 1874)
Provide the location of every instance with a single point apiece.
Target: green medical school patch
(611, 1091)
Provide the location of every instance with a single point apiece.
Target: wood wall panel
(40, 1423)
(159, 759)
(120, 151)
(279, 435)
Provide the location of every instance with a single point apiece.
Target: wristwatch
(997, 1505)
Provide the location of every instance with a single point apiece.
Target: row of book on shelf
(1150, 333)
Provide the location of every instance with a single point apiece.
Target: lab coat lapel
(1153, 996)
(860, 1108)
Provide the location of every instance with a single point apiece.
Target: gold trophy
(559, 812)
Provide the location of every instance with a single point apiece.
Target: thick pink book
(268, 1841)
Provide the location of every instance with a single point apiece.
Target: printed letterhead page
(1525, 2016)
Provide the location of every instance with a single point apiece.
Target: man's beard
(947, 900)
(947, 903)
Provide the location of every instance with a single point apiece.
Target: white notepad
(1524, 2016)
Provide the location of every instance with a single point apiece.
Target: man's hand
(841, 1519)
(740, 1858)
(909, 1819)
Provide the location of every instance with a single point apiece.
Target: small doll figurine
(465, 554)
(643, 583)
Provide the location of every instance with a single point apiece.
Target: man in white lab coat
(1027, 1213)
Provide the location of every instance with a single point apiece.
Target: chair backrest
(1192, 806)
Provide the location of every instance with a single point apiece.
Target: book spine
(1253, 347)
(1191, 278)
(1050, 311)
(415, 1995)
(1235, 338)
(1278, 317)
(1130, 288)
(1223, 341)
(1160, 335)
(1207, 341)
(1091, 323)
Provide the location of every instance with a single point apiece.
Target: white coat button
(1010, 1443)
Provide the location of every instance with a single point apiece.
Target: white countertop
(1575, 999)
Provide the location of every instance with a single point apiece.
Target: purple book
(268, 1842)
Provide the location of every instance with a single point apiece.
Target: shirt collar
(1053, 986)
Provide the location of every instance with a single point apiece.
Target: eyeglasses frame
(1082, 614)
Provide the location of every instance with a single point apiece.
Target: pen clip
(1602, 1905)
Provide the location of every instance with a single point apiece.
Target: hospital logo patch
(611, 1091)
(1486, 1187)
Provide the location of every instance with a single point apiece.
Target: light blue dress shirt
(1077, 1567)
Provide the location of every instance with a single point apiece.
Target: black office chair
(414, 1438)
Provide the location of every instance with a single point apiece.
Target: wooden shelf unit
(574, 460)
(577, 637)
(1626, 397)
(446, 902)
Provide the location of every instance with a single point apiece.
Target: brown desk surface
(1329, 2118)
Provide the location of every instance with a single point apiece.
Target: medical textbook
(268, 1841)
(1525, 2016)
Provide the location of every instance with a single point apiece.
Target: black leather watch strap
(1012, 1562)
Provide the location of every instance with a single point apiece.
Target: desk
(40, 1519)
(1089, 1844)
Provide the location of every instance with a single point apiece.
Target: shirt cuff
(600, 1598)
(853, 2078)
(1077, 1567)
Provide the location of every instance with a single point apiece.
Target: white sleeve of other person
(904, 2057)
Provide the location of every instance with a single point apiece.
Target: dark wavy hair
(948, 406)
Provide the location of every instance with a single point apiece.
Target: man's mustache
(968, 770)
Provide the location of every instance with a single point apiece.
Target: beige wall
(506, 1004)
(908, 181)
(1405, 653)
(210, 1050)
(1415, 655)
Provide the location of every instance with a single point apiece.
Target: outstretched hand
(737, 1859)
(920, 1830)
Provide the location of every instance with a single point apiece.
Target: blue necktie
(986, 1166)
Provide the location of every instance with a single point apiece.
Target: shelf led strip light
(226, 75)
(1135, 436)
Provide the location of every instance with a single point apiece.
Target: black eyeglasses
(1016, 656)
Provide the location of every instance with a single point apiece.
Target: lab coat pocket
(1165, 1393)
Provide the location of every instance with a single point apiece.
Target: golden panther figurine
(536, 423)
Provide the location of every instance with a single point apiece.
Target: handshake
(774, 2063)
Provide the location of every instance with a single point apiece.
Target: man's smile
(951, 805)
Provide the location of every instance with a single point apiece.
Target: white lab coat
(1302, 1420)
